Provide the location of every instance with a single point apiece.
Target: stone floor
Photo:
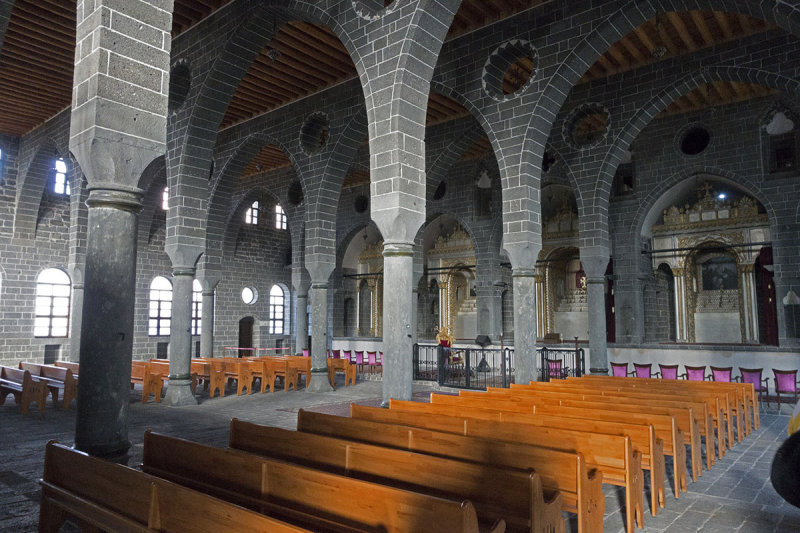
(735, 495)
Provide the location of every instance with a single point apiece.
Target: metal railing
(464, 367)
(559, 363)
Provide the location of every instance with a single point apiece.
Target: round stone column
(525, 358)
(179, 390)
(106, 340)
(598, 348)
(398, 307)
(207, 324)
(318, 381)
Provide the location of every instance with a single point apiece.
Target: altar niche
(561, 286)
(711, 246)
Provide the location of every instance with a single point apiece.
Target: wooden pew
(271, 368)
(688, 422)
(301, 364)
(692, 417)
(676, 388)
(238, 370)
(23, 387)
(161, 366)
(341, 365)
(213, 379)
(564, 472)
(497, 493)
(643, 434)
(712, 401)
(151, 382)
(613, 455)
(104, 496)
(67, 364)
(56, 379)
(303, 495)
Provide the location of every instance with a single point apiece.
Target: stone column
(525, 324)
(598, 349)
(398, 308)
(106, 340)
(747, 288)
(541, 299)
(180, 339)
(75, 322)
(301, 330)
(318, 381)
(207, 324)
(681, 306)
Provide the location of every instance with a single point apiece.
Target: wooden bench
(67, 364)
(301, 364)
(269, 369)
(613, 455)
(213, 379)
(312, 498)
(23, 387)
(103, 496)
(498, 493)
(161, 366)
(151, 382)
(560, 471)
(688, 422)
(56, 379)
(712, 401)
(341, 365)
(674, 388)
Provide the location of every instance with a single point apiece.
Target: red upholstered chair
(644, 370)
(619, 370)
(668, 371)
(722, 374)
(555, 369)
(694, 373)
(337, 354)
(753, 375)
(785, 383)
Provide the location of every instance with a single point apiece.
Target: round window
(249, 295)
(695, 140)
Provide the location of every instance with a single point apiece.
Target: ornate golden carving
(711, 212)
(458, 241)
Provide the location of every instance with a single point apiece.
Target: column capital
(115, 196)
(185, 271)
(523, 273)
(317, 285)
(398, 249)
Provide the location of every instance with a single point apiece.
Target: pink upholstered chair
(555, 369)
(306, 353)
(785, 383)
(359, 356)
(347, 354)
(337, 354)
(380, 361)
(668, 371)
(619, 370)
(372, 360)
(753, 375)
(644, 370)
(722, 374)
(694, 373)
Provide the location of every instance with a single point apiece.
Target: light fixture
(274, 54)
(659, 50)
(722, 196)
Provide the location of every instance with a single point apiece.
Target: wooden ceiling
(270, 157)
(36, 59)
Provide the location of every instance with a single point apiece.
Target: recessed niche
(695, 140)
(587, 126)
(361, 203)
(510, 69)
(440, 191)
(547, 161)
(314, 133)
(295, 193)
(180, 81)
(373, 9)
(249, 295)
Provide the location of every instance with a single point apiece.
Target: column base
(598, 371)
(318, 381)
(116, 453)
(179, 393)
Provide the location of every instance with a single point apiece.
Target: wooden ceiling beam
(683, 32)
(724, 23)
(702, 27)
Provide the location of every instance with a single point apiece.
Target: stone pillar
(681, 306)
(207, 324)
(318, 381)
(106, 339)
(398, 308)
(301, 315)
(180, 339)
(75, 322)
(541, 299)
(117, 128)
(525, 325)
(598, 350)
(747, 288)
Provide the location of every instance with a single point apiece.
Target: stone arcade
(362, 174)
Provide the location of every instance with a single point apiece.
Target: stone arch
(31, 186)
(349, 235)
(744, 183)
(439, 211)
(236, 218)
(452, 152)
(153, 181)
(628, 17)
(660, 101)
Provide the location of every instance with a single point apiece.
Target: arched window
(160, 306)
(197, 307)
(251, 215)
(276, 302)
(280, 217)
(60, 181)
(53, 289)
(165, 199)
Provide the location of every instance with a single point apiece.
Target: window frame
(281, 221)
(50, 317)
(163, 323)
(277, 311)
(64, 185)
(197, 308)
(251, 215)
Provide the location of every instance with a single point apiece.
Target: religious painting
(719, 273)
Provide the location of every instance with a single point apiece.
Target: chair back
(785, 380)
(643, 370)
(721, 374)
(619, 370)
(347, 354)
(380, 358)
(305, 353)
(359, 357)
(337, 354)
(668, 371)
(695, 373)
(753, 376)
(372, 358)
